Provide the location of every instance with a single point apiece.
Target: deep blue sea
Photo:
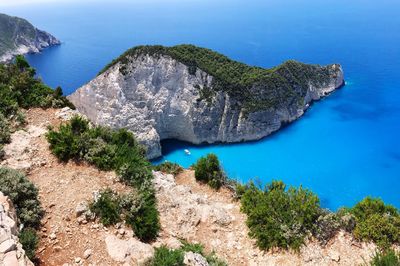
(345, 147)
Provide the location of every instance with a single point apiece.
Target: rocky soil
(188, 210)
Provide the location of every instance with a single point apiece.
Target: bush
(101, 154)
(2, 152)
(376, 221)
(71, 140)
(167, 257)
(169, 168)
(326, 226)
(29, 240)
(386, 258)
(278, 217)
(20, 88)
(112, 150)
(211, 258)
(144, 218)
(5, 132)
(24, 196)
(207, 169)
(107, 207)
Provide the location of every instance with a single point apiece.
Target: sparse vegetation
(256, 88)
(29, 239)
(386, 258)
(208, 169)
(280, 217)
(5, 131)
(112, 150)
(169, 168)
(164, 256)
(19, 88)
(144, 218)
(107, 207)
(376, 221)
(24, 196)
(284, 218)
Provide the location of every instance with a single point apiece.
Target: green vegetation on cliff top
(10, 29)
(257, 88)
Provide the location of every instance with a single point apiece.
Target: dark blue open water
(344, 148)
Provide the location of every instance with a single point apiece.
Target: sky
(28, 2)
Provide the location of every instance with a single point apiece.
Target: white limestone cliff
(157, 98)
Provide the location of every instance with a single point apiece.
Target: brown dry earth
(188, 210)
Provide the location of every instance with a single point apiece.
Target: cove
(344, 148)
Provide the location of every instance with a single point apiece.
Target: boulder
(194, 259)
(128, 251)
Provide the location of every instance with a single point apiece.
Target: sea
(345, 147)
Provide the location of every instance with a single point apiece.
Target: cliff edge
(197, 95)
(11, 252)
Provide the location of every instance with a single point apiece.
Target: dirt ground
(188, 210)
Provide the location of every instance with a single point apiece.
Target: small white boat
(187, 152)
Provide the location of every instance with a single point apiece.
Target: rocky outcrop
(199, 214)
(130, 251)
(158, 97)
(11, 251)
(18, 36)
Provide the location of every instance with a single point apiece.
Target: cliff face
(18, 36)
(158, 97)
(11, 252)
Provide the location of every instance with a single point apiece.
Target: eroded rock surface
(158, 97)
(18, 36)
(11, 251)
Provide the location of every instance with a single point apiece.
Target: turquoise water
(344, 148)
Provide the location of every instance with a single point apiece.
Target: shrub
(386, 258)
(20, 88)
(5, 132)
(70, 141)
(167, 257)
(347, 220)
(107, 207)
(29, 240)
(112, 150)
(193, 247)
(207, 169)
(2, 152)
(144, 218)
(326, 226)
(169, 168)
(211, 258)
(377, 222)
(24, 196)
(101, 154)
(278, 217)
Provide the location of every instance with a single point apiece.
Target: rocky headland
(18, 36)
(197, 95)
